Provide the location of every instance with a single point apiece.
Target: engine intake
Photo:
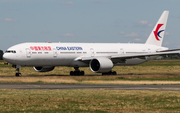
(44, 68)
(101, 65)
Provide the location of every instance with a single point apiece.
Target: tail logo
(157, 32)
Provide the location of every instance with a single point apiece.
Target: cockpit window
(10, 51)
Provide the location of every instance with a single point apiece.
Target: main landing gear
(110, 73)
(77, 71)
(18, 74)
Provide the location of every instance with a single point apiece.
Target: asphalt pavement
(88, 86)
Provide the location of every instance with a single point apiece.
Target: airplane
(100, 57)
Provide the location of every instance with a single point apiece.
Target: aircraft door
(121, 51)
(54, 52)
(92, 52)
(149, 50)
(28, 52)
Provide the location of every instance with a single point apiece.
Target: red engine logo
(41, 48)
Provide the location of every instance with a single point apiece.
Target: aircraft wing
(170, 50)
(144, 55)
(127, 56)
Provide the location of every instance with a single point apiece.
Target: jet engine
(101, 65)
(44, 68)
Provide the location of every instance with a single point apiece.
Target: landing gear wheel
(114, 73)
(72, 73)
(18, 74)
(82, 72)
(76, 72)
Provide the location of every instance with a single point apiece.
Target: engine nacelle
(44, 68)
(101, 65)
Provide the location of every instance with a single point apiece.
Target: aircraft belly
(44, 62)
(79, 64)
(135, 61)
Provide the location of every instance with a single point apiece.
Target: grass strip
(153, 72)
(91, 101)
(151, 67)
(84, 80)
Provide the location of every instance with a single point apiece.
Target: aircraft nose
(7, 57)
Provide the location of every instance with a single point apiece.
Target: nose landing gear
(18, 74)
(77, 71)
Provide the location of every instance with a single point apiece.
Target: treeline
(175, 56)
(1, 55)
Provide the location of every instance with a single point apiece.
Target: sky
(90, 21)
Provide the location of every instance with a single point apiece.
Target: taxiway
(87, 86)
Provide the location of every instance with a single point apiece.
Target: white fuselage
(100, 57)
(65, 54)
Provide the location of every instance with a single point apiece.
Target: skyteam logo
(157, 32)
